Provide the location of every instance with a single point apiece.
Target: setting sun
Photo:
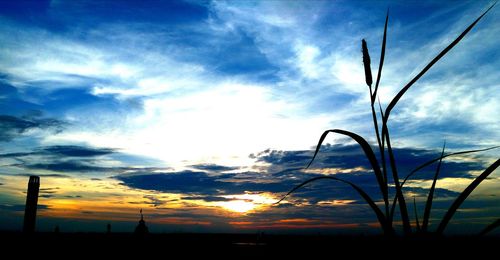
(239, 206)
(246, 202)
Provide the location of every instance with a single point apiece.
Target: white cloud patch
(221, 125)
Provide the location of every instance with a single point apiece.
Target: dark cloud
(53, 175)
(153, 200)
(73, 196)
(76, 151)
(181, 182)
(80, 166)
(75, 159)
(288, 158)
(12, 127)
(49, 190)
(206, 198)
(202, 185)
(286, 170)
(213, 167)
(352, 156)
(20, 207)
(66, 166)
(63, 150)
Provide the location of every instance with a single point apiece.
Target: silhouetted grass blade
(382, 56)
(490, 227)
(436, 59)
(451, 211)
(399, 192)
(430, 197)
(368, 153)
(416, 214)
(382, 156)
(380, 216)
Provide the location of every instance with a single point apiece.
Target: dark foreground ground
(174, 246)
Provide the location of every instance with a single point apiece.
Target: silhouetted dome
(141, 229)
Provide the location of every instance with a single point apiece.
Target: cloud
(213, 167)
(77, 151)
(180, 182)
(52, 175)
(66, 160)
(207, 198)
(282, 173)
(12, 127)
(65, 166)
(64, 150)
(20, 207)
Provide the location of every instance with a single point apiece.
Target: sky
(205, 113)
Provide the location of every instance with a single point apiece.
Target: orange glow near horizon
(107, 199)
(244, 203)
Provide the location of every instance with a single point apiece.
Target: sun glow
(246, 202)
(239, 206)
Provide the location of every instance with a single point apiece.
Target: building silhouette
(141, 228)
(31, 204)
(108, 228)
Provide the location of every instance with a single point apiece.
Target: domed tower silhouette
(141, 229)
(31, 204)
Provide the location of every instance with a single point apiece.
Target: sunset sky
(205, 113)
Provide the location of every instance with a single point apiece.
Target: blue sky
(205, 112)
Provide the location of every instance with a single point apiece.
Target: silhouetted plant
(384, 145)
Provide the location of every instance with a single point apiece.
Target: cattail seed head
(366, 63)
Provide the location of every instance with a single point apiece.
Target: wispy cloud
(12, 127)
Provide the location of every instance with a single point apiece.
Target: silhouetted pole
(31, 205)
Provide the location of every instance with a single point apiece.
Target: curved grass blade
(490, 227)
(384, 187)
(382, 56)
(380, 216)
(436, 59)
(461, 198)
(416, 213)
(383, 142)
(399, 192)
(368, 153)
(382, 158)
(442, 157)
(430, 197)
